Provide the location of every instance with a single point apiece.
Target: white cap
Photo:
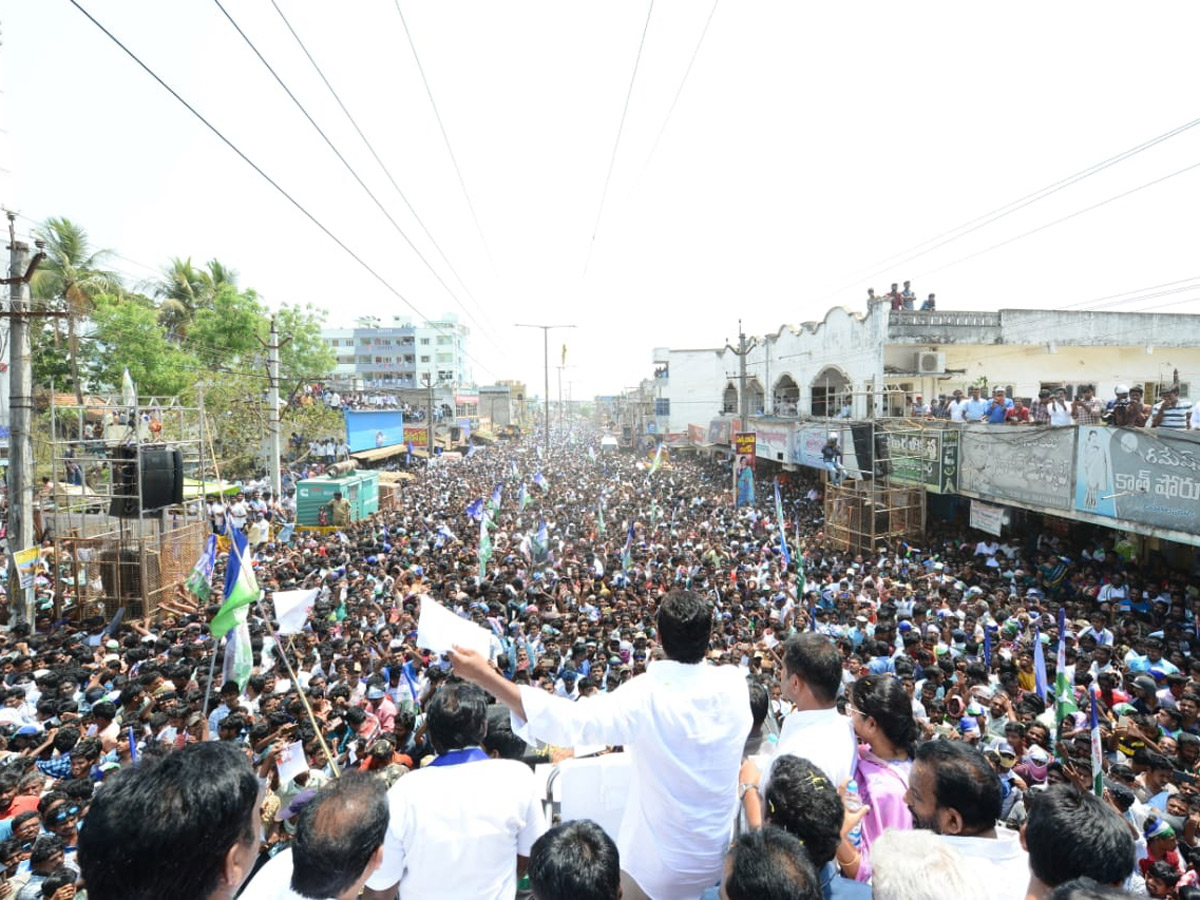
(1121, 389)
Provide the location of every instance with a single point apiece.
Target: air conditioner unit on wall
(930, 362)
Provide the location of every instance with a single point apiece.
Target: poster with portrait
(745, 445)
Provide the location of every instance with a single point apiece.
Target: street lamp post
(546, 375)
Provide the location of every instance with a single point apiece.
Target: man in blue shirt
(997, 410)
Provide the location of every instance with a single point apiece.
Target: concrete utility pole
(428, 376)
(20, 405)
(274, 447)
(546, 376)
(742, 352)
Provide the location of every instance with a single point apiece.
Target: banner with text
(987, 518)
(774, 439)
(1149, 477)
(1025, 465)
(928, 457)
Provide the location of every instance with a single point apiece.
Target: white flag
(291, 609)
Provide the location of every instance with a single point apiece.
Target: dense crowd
(852, 722)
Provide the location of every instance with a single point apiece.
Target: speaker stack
(161, 482)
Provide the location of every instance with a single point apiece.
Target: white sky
(810, 142)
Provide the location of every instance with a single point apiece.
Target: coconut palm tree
(70, 276)
(183, 290)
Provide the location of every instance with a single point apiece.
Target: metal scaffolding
(107, 548)
(871, 507)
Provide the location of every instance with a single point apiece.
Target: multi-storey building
(400, 354)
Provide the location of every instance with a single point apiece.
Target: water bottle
(853, 803)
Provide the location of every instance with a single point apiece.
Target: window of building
(662, 406)
(424, 359)
(443, 340)
(424, 342)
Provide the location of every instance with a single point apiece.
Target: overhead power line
(271, 181)
(354, 174)
(959, 231)
(386, 171)
(679, 90)
(617, 143)
(1078, 212)
(445, 137)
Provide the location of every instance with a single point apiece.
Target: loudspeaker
(161, 483)
(872, 455)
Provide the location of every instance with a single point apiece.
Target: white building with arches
(865, 365)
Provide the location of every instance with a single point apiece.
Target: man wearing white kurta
(684, 723)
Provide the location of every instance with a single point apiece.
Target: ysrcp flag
(291, 609)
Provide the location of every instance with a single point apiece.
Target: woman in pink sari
(883, 720)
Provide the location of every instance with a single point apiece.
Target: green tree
(305, 357)
(69, 278)
(226, 334)
(128, 335)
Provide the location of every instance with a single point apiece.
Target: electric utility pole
(546, 376)
(273, 431)
(743, 350)
(20, 407)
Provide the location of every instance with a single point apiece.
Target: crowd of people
(810, 724)
(1127, 408)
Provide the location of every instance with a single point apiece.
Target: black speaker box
(161, 482)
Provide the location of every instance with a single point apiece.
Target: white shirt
(456, 831)
(1001, 865)
(273, 881)
(958, 410)
(825, 738)
(685, 727)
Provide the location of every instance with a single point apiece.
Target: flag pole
(312, 717)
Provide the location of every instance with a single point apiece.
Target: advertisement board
(928, 457)
(774, 438)
(1025, 465)
(1148, 477)
(367, 430)
(697, 434)
(808, 441)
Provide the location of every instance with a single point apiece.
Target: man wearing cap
(997, 409)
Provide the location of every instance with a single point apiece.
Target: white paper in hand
(291, 762)
(440, 630)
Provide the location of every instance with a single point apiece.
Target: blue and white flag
(522, 498)
(627, 553)
(444, 531)
(540, 545)
(783, 547)
(1041, 685)
(540, 480)
(493, 504)
(475, 509)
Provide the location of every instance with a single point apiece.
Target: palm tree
(183, 290)
(70, 276)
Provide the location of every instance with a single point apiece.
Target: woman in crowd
(881, 712)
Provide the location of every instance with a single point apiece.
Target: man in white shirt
(815, 730)
(954, 792)
(958, 407)
(338, 844)
(685, 723)
(462, 827)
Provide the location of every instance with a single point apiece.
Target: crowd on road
(913, 721)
